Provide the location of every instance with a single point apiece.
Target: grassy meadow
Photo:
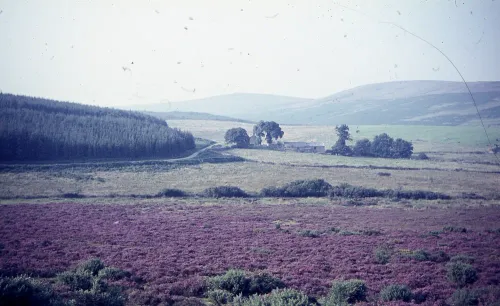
(424, 138)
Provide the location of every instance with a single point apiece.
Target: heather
(168, 253)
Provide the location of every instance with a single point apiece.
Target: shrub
(278, 297)
(454, 229)
(461, 273)
(92, 266)
(168, 192)
(349, 191)
(415, 195)
(73, 195)
(382, 255)
(463, 258)
(113, 273)
(464, 297)
(23, 290)
(300, 188)
(225, 192)
(349, 291)
(262, 283)
(309, 233)
(421, 156)
(396, 293)
(238, 282)
(220, 297)
(79, 280)
(234, 281)
(112, 297)
(383, 174)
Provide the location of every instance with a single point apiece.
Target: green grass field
(424, 138)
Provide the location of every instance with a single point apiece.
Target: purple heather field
(173, 246)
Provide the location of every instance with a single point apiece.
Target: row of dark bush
(295, 189)
(312, 188)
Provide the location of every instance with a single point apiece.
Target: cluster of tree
(268, 129)
(381, 146)
(40, 129)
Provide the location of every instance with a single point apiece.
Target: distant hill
(40, 129)
(193, 116)
(395, 103)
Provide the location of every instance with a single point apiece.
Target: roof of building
(303, 144)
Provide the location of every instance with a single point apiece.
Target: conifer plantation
(33, 129)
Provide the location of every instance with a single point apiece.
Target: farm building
(308, 147)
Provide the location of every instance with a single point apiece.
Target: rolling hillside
(395, 103)
(193, 116)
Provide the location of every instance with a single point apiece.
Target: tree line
(381, 146)
(41, 129)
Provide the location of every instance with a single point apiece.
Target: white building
(307, 147)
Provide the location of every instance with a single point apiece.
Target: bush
(238, 282)
(233, 281)
(463, 258)
(168, 192)
(464, 297)
(263, 283)
(415, 195)
(461, 273)
(111, 297)
(383, 174)
(396, 293)
(382, 255)
(79, 280)
(300, 188)
(23, 290)
(113, 273)
(220, 297)
(454, 229)
(350, 291)
(225, 192)
(92, 266)
(310, 233)
(349, 191)
(278, 297)
(421, 156)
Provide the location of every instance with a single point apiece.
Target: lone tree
(270, 129)
(237, 136)
(340, 147)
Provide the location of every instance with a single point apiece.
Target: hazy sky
(141, 52)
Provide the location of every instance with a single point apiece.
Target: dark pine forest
(33, 129)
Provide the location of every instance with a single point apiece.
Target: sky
(137, 52)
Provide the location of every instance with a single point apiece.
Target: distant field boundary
(373, 167)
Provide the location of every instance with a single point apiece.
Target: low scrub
(171, 193)
(224, 192)
(24, 290)
(422, 255)
(396, 293)
(278, 297)
(349, 191)
(346, 292)
(464, 297)
(382, 255)
(239, 282)
(300, 188)
(87, 284)
(461, 273)
(415, 195)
